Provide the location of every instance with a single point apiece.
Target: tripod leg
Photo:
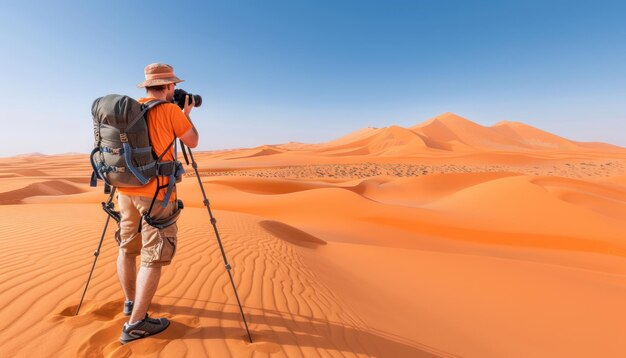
(219, 241)
(182, 149)
(95, 254)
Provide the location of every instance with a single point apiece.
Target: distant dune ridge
(450, 132)
(447, 132)
(443, 239)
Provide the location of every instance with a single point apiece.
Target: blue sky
(310, 71)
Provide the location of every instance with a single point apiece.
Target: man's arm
(190, 138)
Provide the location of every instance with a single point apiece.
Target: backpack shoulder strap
(147, 106)
(155, 102)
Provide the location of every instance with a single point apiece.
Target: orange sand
(444, 239)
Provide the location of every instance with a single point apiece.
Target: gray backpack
(122, 155)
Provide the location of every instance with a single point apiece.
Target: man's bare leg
(127, 273)
(147, 283)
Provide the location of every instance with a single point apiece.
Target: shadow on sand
(303, 332)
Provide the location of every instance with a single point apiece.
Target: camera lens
(180, 95)
(198, 100)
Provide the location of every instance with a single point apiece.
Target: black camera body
(180, 95)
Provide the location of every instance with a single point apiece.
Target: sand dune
(533, 137)
(352, 137)
(389, 141)
(441, 240)
(450, 132)
(417, 191)
(52, 187)
(257, 152)
(608, 200)
(449, 127)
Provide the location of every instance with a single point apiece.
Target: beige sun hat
(158, 74)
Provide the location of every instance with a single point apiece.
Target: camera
(180, 95)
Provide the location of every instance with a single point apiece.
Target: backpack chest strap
(120, 151)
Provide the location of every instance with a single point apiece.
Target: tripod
(108, 208)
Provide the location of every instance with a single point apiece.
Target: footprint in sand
(89, 311)
(105, 341)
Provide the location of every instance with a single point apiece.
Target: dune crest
(451, 132)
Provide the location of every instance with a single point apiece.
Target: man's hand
(188, 106)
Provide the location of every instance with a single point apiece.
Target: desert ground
(445, 239)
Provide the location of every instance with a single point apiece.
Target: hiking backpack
(122, 155)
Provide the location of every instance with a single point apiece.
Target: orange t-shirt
(165, 123)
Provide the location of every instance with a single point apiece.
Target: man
(155, 246)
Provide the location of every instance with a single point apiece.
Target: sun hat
(158, 74)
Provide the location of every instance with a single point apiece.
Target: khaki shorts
(156, 246)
